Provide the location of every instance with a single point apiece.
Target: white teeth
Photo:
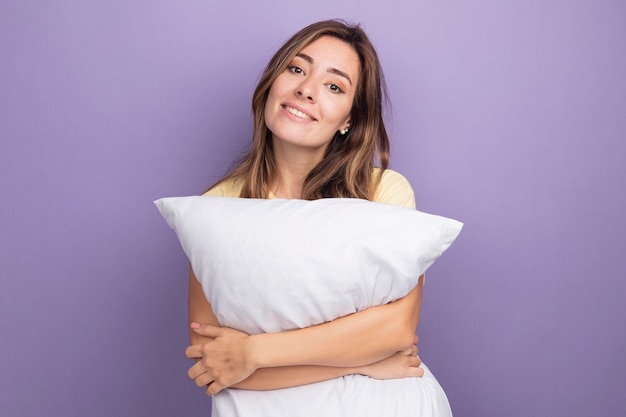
(297, 113)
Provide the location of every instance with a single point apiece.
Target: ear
(346, 124)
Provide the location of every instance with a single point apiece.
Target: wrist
(360, 370)
(268, 350)
(255, 352)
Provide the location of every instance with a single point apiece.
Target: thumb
(208, 330)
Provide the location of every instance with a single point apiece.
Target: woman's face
(311, 100)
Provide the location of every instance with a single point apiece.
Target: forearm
(342, 347)
(355, 340)
(264, 379)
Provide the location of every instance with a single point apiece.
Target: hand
(223, 361)
(402, 364)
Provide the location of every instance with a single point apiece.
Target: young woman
(318, 133)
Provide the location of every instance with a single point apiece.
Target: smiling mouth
(298, 113)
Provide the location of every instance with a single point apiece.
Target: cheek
(342, 112)
(277, 91)
(270, 104)
(270, 98)
(279, 86)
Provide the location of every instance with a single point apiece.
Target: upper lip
(295, 106)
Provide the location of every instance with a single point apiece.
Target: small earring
(344, 131)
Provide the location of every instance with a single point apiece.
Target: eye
(335, 88)
(295, 69)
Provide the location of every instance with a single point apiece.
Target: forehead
(332, 52)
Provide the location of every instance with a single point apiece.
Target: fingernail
(194, 325)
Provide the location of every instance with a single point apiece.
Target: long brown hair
(346, 169)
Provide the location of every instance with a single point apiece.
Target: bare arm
(400, 365)
(354, 340)
(344, 346)
(200, 311)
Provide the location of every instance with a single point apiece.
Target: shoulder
(394, 188)
(229, 188)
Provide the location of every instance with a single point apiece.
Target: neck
(293, 165)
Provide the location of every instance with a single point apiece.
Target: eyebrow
(332, 70)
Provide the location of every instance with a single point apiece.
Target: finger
(406, 352)
(415, 372)
(415, 361)
(196, 370)
(214, 388)
(208, 330)
(410, 351)
(194, 351)
(415, 339)
(203, 380)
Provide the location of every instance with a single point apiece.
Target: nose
(305, 90)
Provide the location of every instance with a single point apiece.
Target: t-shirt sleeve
(395, 189)
(224, 189)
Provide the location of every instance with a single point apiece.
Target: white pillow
(275, 265)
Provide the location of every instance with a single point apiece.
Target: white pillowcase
(275, 265)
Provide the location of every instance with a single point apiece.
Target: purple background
(509, 116)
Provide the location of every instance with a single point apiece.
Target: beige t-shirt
(393, 189)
